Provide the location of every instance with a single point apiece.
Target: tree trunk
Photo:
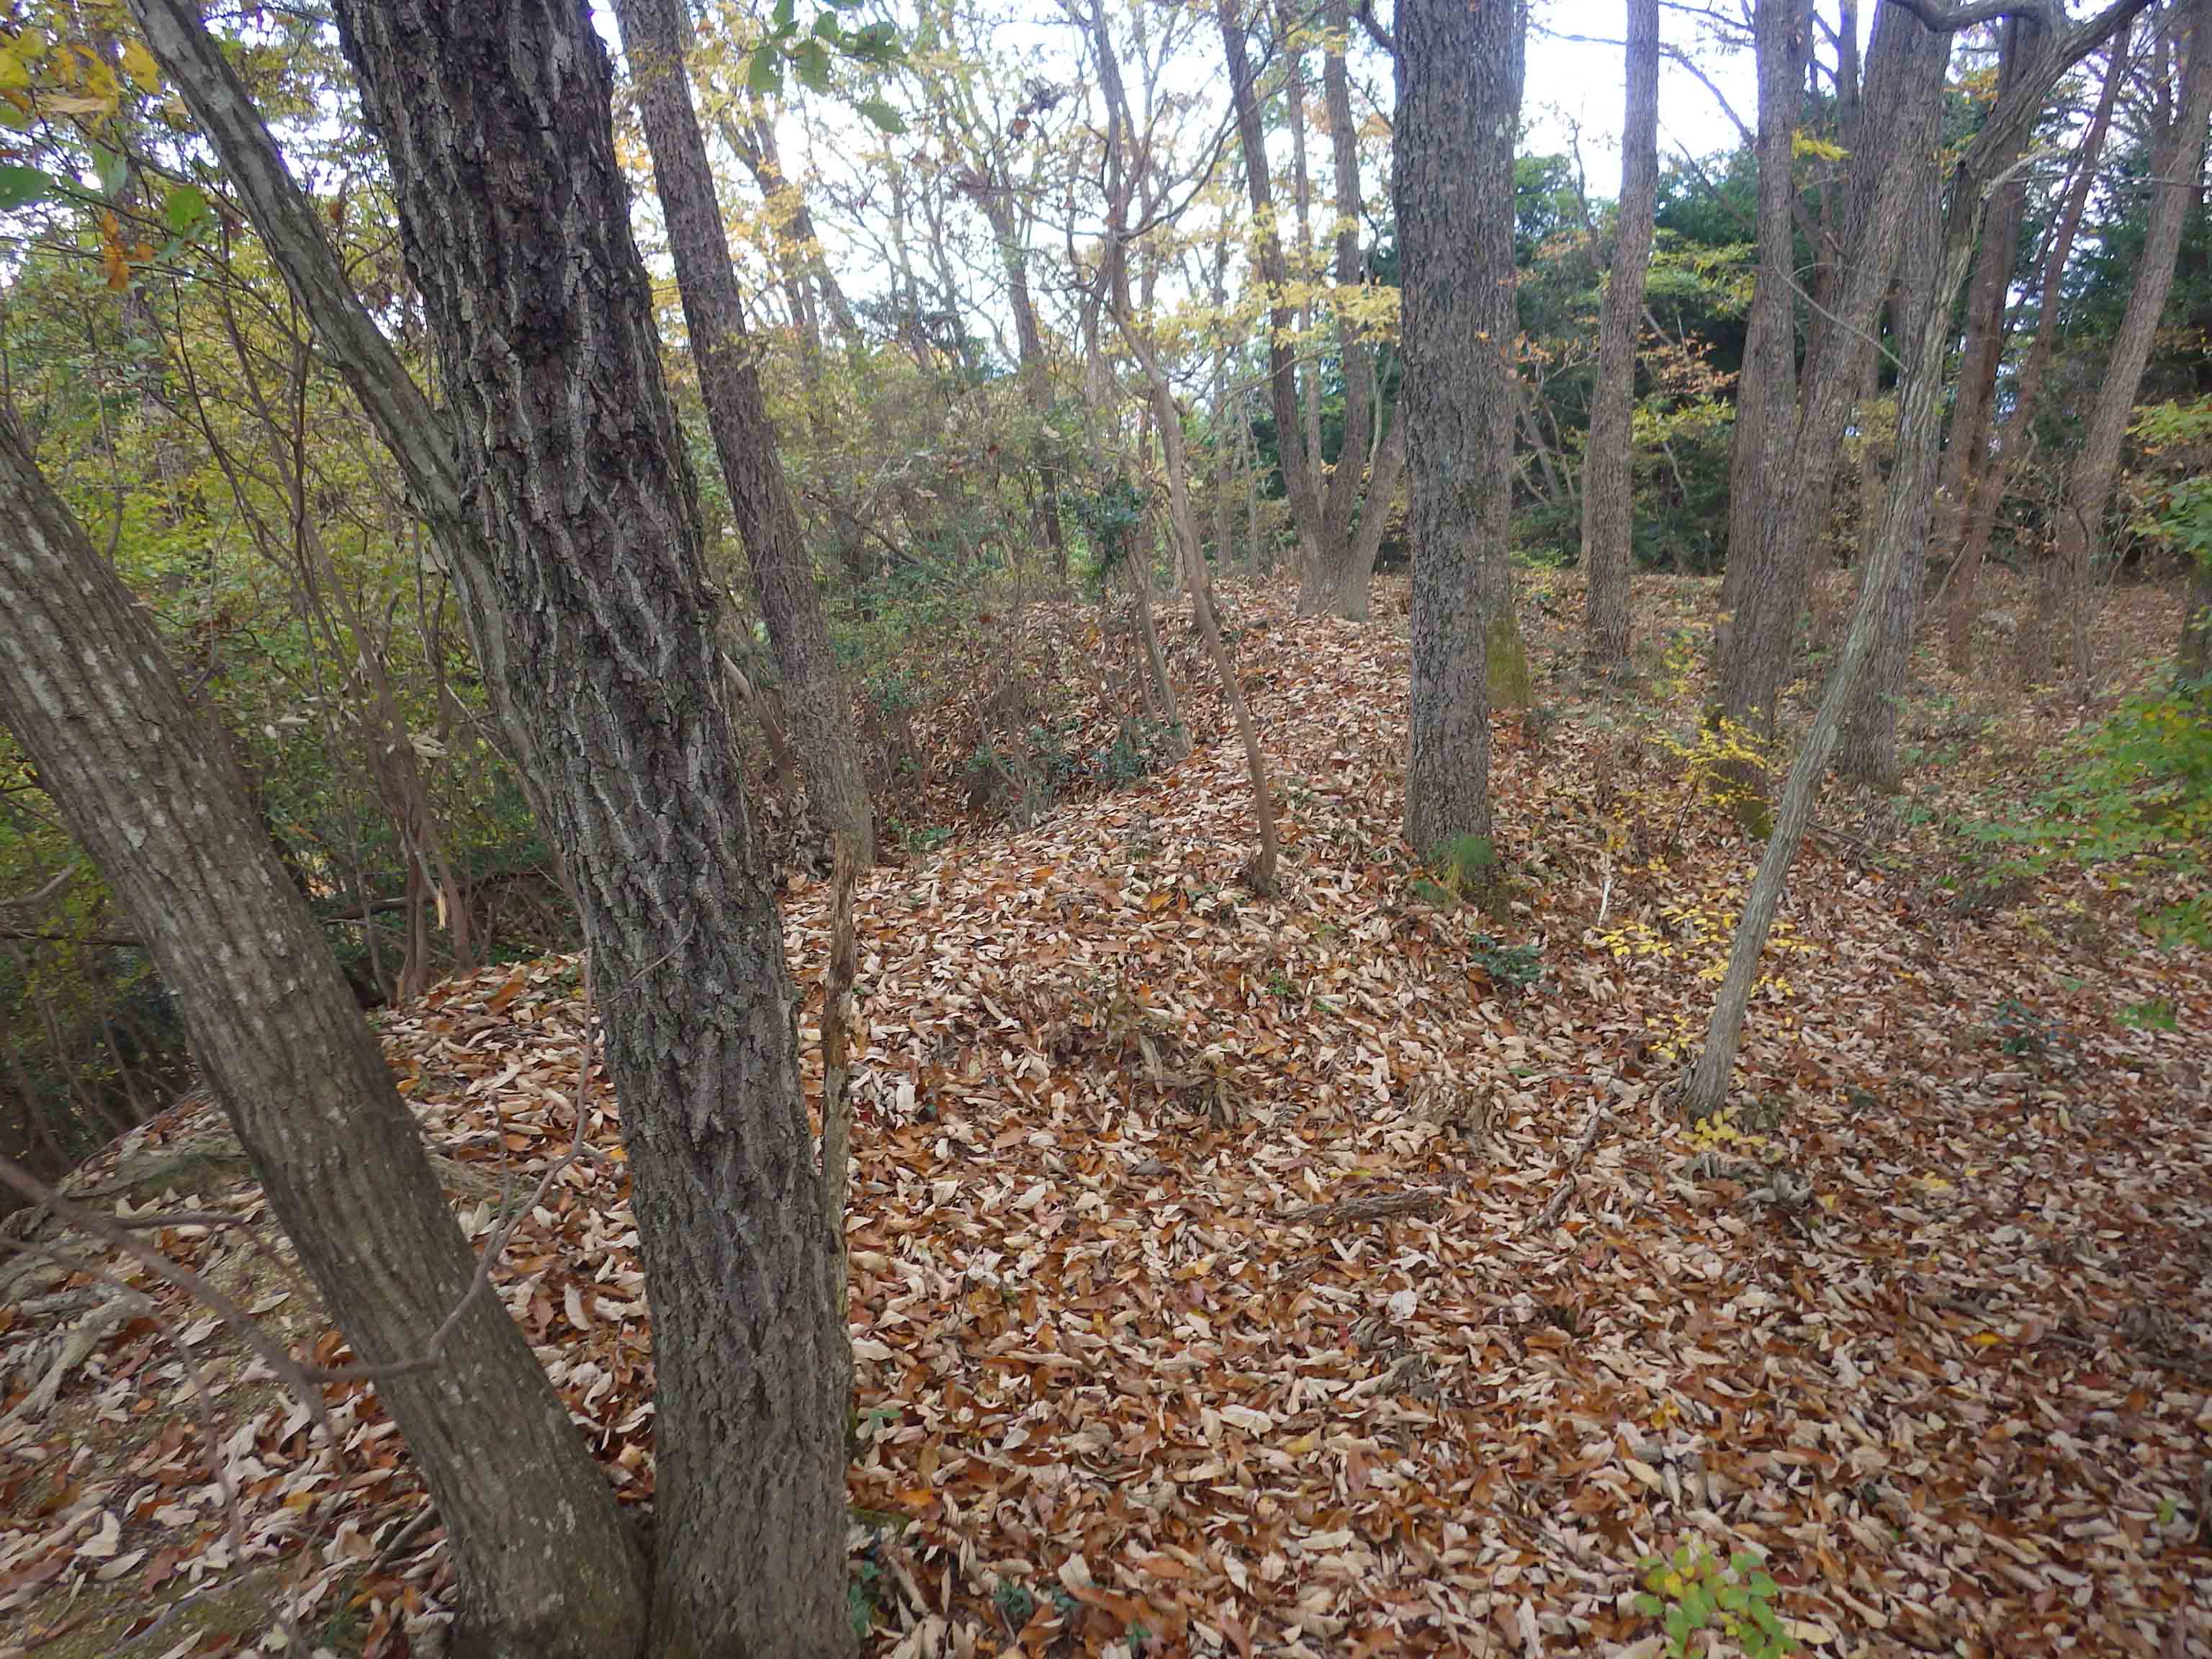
(1609, 473)
(1298, 483)
(2195, 663)
(2178, 165)
(543, 1563)
(1866, 750)
(1902, 107)
(1766, 386)
(1037, 385)
(1995, 463)
(1974, 400)
(655, 37)
(1459, 71)
(1912, 488)
(497, 120)
(1336, 585)
(291, 228)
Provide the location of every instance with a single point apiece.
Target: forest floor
(1286, 1276)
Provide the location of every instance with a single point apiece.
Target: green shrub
(1695, 1593)
(1510, 967)
(2134, 795)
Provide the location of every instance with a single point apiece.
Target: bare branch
(1952, 19)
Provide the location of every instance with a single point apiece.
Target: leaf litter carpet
(1280, 1276)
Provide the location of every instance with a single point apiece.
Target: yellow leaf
(138, 63)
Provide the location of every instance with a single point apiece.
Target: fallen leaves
(1252, 1276)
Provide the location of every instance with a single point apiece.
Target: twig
(266, 1347)
(1368, 1206)
(1569, 1162)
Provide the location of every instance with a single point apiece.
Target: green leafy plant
(1016, 1601)
(1467, 862)
(2133, 796)
(2158, 1015)
(1694, 1595)
(1510, 967)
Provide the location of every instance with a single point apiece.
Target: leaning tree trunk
(1608, 477)
(543, 1560)
(1766, 387)
(2176, 166)
(1905, 509)
(291, 229)
(1459, 69)
(497, 120)
(655, 37)
(1898, 127)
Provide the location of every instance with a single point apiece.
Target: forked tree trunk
(1903, 105)
(293, 231)
(1459, 69)
(1974, 399)
(655, 36)
(1608, 475)
(2177, 166)
(544, 1562)
(1911, 489)
(1996, 463)
(1299, 484)
(497, 120)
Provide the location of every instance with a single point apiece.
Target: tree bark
(1994, 465)
(418, 437)
(2177, 166)
(497, 117)
(1866, 746)
(543, 1563)
(1911, 487)
(1298, 481)
(655, 38)
(1974, 400)
(1766, 386)
(1903, 109)
(1609, 473)
(1458, 73)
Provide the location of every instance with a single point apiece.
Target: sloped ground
(1278, 1276)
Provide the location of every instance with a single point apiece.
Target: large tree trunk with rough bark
(1608, 475)
(2177, 168)
(544, 1562)
(655, 36)
(1902, 109)
(1458, 102)
(1766, 386)
(1995, 462)
(497, 117)
(293, 231)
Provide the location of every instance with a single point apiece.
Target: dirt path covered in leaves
(1321, 1274)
